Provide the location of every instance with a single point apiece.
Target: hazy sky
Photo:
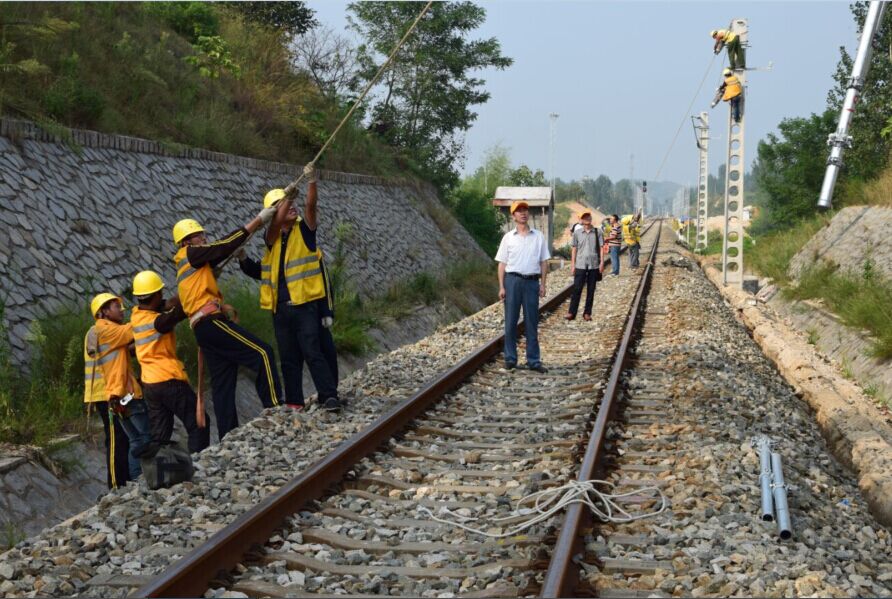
(621, 74)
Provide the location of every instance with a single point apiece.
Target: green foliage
(562, 214)
(474, 210)
(790, 170)
(427, 96)
(523, 176)
(49, 402)
(772, 252)
(192, 73)
(295, 18)
(861, 300)
(190, 19)
(352, 322)
(873, 115)
(12, 535)
(813, 336)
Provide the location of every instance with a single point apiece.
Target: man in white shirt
(522, 270)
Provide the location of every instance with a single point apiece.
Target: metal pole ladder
(702, 130)
(732, 244)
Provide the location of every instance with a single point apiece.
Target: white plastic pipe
(779, 487)
(765, 478)
(841, 138)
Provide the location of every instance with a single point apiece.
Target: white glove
(327, 321)
(266, 215)
(310, 173)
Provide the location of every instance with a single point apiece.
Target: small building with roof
(541, 204)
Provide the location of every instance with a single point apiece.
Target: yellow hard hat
(726, 72)
(146, 283)
(99, 301)
(713, 32)
(273, 196)
(185, 228)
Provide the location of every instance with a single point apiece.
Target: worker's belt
(209, 309)
(527, 277)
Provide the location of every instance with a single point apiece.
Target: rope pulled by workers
(605, 504)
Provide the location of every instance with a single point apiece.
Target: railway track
(476, 440)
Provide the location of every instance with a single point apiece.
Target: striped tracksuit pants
(226, 346)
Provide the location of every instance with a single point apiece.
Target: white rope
(293, 185)
(607, 506)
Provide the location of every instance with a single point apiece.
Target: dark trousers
(634, 255)
(174, 398)
(520, 292)
(736, 108)
(736, 54)
(226, 346)
(117, 447)
(587, 277)
(302, 338)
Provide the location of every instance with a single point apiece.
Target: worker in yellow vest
(116, 444)
(164, 379)
(730, 91)
(632, 238)
(223, 343)
(725, 38)
(293, 288)
(111, 348)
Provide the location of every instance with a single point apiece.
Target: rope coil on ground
(607, 506)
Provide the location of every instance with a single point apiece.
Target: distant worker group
(730, 90)
(138, 412)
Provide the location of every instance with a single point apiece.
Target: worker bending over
(164, 379)
(725, 38)
(730, 91)
(223, 343)
(293, 287)
(632, 238)
(111, 350)
(116, 444)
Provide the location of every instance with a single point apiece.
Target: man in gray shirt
(585, 264)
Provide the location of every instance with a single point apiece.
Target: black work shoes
(538, 368)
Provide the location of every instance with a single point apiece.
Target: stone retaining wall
(855, 234)
(85, 211)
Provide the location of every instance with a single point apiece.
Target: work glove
(266, 215)
(92, 342)
(327, 321)
(310, 173)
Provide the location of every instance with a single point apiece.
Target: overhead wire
(684, 117)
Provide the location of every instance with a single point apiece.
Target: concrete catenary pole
(840, 139)
(552, 133)
(732, 245)
(701, 127)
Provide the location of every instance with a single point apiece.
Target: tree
(790, 169)
(599, 190)
(328, 58)
(523, 176)
(495, 171)
(425, 98)
(871, 128)
(294, 18)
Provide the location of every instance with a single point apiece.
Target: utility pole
(552, 133)
(732, 244)
(701, 130)
(841, 139)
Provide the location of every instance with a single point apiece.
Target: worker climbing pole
(732, 245)
(701, 129)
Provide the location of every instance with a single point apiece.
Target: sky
(621, 75)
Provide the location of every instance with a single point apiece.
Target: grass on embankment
(862, 300)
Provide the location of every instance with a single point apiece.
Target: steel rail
(562, 577)
(193, 574)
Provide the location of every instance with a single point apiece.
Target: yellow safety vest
(94, 384)
(303, 272)
(726, 36)
(196, 286)
(114, 359)
(732, 87)
(156, 352)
